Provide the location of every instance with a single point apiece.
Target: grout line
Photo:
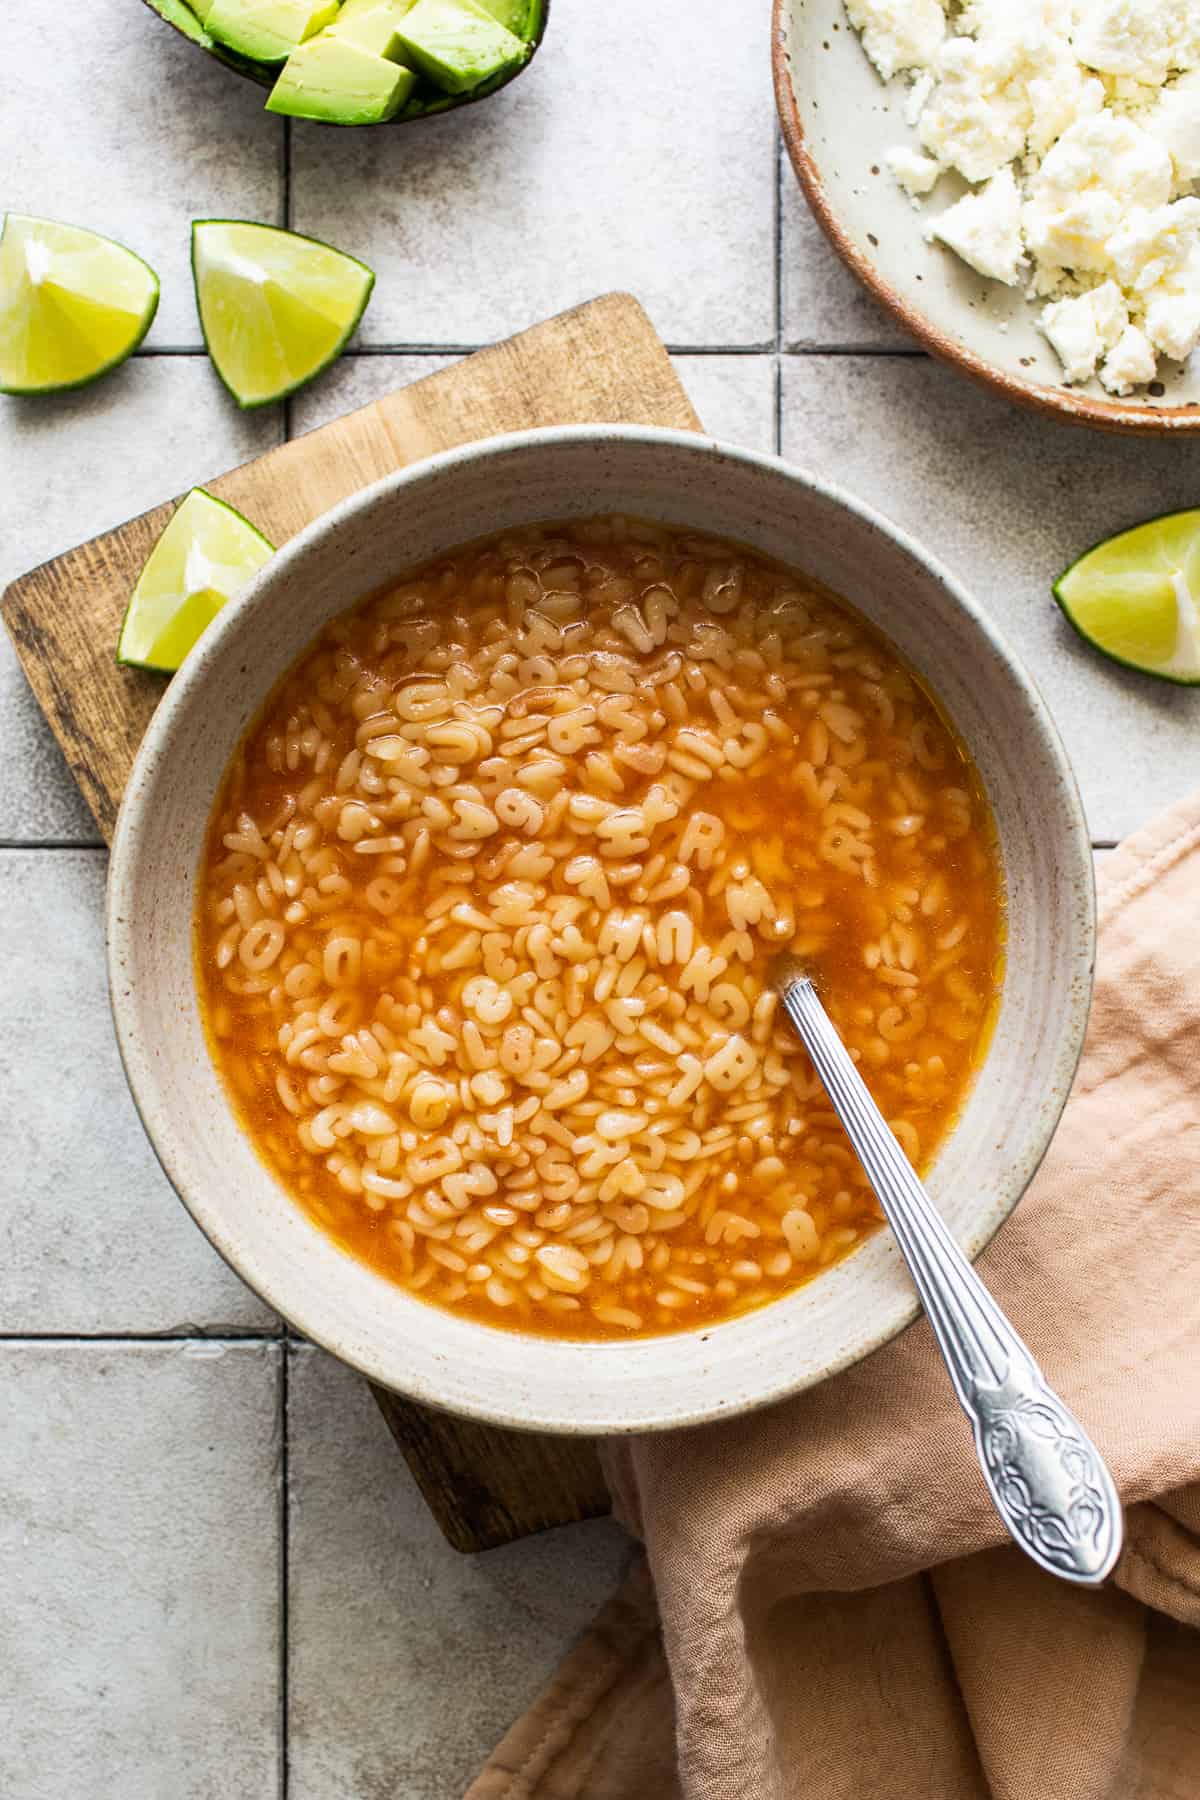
(778, 228)
(286, 221)
(895, 352)
(17, 844)
(414, 349)
(449, 350)
(779, 177)
(285, 1349)
(147, 354)
(285, 1510)
(429, 349)
(223, 1335)
(747, 350)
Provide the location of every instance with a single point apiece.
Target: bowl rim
(270, 1280)
(1056, 402)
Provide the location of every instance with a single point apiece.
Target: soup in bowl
(488, 905)
(441, 925)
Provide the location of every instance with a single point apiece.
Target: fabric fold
(839, 1612)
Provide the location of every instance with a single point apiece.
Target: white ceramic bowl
(839, 121)
(432, 1355)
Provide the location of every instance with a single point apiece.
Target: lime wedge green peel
(275, 308)
(72, 305)
(1135, 597)
(206, 553)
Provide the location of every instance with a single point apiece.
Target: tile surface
(1008, 500)
(139, 1560)
(75, 464)
(119, 124)
(355, 381)
(589, 173)
(824, 305)
(408, 1661)
(92, 1238)
(735, 397)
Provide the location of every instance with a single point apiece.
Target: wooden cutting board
(602, 363)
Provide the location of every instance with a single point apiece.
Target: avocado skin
(184, 19)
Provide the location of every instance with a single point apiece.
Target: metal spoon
(1046, 1477)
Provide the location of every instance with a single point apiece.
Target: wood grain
(485, 1486)
(601, 364)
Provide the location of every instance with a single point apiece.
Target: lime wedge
(1134, 597)
(72, 305)
(275, 308)
(207, 551)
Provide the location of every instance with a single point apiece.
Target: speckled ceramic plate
(451, 1361)
(839, 121)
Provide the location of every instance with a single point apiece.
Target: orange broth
(859, 837)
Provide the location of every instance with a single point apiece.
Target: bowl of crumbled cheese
(1018, 181)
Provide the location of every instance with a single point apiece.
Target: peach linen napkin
(828, 1607)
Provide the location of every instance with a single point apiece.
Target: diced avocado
(514, 15)
(373, 25)
(458, 44)
(331, 79)
(268, 30)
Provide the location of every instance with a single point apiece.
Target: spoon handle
(1047, 1478)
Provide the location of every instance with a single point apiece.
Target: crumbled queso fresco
(1077, 124)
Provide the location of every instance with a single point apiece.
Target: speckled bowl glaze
(839, 121)
(432, 1355)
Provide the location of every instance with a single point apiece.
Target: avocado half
(424, 102)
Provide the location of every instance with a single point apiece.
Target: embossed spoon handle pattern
(1046, 1477)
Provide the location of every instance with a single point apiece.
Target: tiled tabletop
(218, 1579)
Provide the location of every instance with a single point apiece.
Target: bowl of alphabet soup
(446, 887)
